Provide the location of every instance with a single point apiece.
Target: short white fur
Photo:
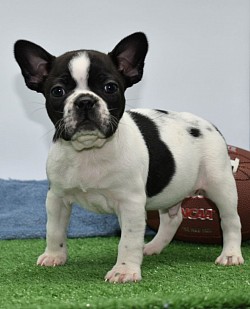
(100, 179)
(79, 70)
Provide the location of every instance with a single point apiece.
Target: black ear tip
(19, 46)
(140, 36)
(24, 44)
(20, 43)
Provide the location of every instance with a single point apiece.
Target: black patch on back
(161, 161)
(194, 132)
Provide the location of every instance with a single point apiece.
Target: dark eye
(58, 92)
(110, 88)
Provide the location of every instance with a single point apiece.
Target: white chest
(96, 178)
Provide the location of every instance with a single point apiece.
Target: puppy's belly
(102, 201)
(182, 186)
(99, 201)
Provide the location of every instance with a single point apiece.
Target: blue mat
(23, 214)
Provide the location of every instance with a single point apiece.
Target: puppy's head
(84, 89)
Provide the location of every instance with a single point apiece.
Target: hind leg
(224, 194)
(170, 220)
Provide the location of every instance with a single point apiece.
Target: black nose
(85, 102)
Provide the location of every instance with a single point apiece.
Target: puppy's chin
(88, 139)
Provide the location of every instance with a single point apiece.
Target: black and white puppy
(111, 161)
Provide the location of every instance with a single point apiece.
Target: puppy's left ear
(129, 55)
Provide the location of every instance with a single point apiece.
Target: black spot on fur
(161, 161)
(162, 111)
(61, 245)
(195, 132)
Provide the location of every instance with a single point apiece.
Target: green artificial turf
(183, 276)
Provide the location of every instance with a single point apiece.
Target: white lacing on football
(235, 164)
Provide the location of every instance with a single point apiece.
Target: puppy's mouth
(86, 121)
(83, 112)
(81, 125)
(85, 130)
(83, 134)
(86, 125)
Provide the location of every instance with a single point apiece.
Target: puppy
(111, 161)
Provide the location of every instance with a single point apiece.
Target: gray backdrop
(198, 61)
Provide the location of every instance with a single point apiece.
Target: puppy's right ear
(35, 63)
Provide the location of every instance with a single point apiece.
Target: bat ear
(35, 63)
(129, 55)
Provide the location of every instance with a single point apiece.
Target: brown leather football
(201, 222)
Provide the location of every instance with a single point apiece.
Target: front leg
(131, 216)
(58, 215)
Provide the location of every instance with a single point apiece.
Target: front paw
(52, 259)
(124, 273)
